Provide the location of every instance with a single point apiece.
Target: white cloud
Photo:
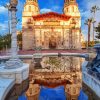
(2, 9)
(3, 27)
(44, 10)
(55, 8)
(52, 9)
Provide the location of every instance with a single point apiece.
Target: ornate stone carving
(51, 23)
(14, 2)
(14, 62)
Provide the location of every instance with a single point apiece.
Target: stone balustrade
(92, 83)
(91, 76)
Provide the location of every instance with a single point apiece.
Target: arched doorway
(52, 88)
(52, 42)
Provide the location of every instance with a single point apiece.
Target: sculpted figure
(14, 2)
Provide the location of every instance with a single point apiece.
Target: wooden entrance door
(52, 42)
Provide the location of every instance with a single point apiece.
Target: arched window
(72, 0)
(29, 8)
(24, 8)
(67, 10)
(72, 9)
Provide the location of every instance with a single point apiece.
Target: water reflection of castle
(33, 92)
(42, 75)
(71, 91)
(51, 30)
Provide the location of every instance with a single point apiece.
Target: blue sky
(49, 5)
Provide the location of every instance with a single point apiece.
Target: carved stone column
(14, 68)
(14, 62)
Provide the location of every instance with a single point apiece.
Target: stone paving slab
(26, 52)
(84, 55)
(5, 87)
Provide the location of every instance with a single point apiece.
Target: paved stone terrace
(24, 52)
(53, 51)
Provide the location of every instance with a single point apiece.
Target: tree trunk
(89, 28)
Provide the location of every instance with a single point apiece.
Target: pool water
(57, 93)
(67, 67)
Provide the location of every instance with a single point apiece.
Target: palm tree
(88, 22)
(5, 41)
(94, 9)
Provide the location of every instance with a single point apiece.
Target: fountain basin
(19, 74)
(5, 87)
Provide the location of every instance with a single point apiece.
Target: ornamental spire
(69, 1)
(31, 0)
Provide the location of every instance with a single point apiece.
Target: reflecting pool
(51, 78)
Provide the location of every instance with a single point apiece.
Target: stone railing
(91, 73)
(92, 83)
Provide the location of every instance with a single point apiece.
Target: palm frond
(94, 9)
(86, 22)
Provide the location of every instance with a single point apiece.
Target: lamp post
(14, 62)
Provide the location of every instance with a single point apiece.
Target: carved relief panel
(52, 39)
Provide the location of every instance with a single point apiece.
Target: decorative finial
(14, 2)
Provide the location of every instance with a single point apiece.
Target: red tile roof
(51, 15)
